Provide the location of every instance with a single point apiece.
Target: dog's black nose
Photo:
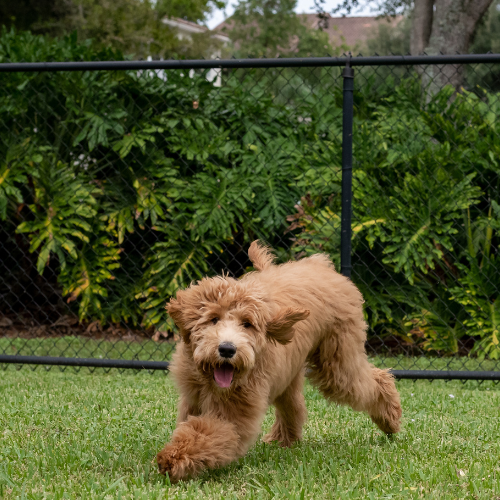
(227, 350)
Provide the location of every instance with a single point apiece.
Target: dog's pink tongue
(223, 375)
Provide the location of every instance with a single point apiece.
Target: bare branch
(476, 9)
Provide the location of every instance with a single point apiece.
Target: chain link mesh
(119, 187)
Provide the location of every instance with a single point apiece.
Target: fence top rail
(250, 63)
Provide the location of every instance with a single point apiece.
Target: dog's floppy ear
(176, 310)
(280, 328)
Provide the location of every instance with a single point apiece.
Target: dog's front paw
(174, 462)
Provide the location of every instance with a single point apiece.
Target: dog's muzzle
(223, 373)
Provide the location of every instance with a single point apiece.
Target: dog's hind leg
(341, 371)
(291, 414)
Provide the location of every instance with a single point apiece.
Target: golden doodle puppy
(245, 344)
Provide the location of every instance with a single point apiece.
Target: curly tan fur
(261, 256)
(279, 320)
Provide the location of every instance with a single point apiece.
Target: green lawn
(82, 435)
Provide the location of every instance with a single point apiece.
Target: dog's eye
(215, 320)
(247, 324)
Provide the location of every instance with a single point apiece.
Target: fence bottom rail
(445, 375)
(89, 362)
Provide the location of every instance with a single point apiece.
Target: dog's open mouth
(223, 375)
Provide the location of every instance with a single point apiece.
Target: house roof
(188, 27)
(351, 31)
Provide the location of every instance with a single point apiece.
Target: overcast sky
(302, 6)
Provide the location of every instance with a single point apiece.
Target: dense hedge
(427, 216)
(129, 185)
(117, 188)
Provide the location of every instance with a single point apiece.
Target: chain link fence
(121, 182)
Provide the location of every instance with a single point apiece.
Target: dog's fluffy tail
(260, 255)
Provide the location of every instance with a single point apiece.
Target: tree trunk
(421, 26)
(454, 22)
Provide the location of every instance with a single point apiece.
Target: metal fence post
(347, 119)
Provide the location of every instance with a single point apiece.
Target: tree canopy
(271, 28)
(133, 26)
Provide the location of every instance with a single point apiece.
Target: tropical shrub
(426, 217)
(128, 185)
